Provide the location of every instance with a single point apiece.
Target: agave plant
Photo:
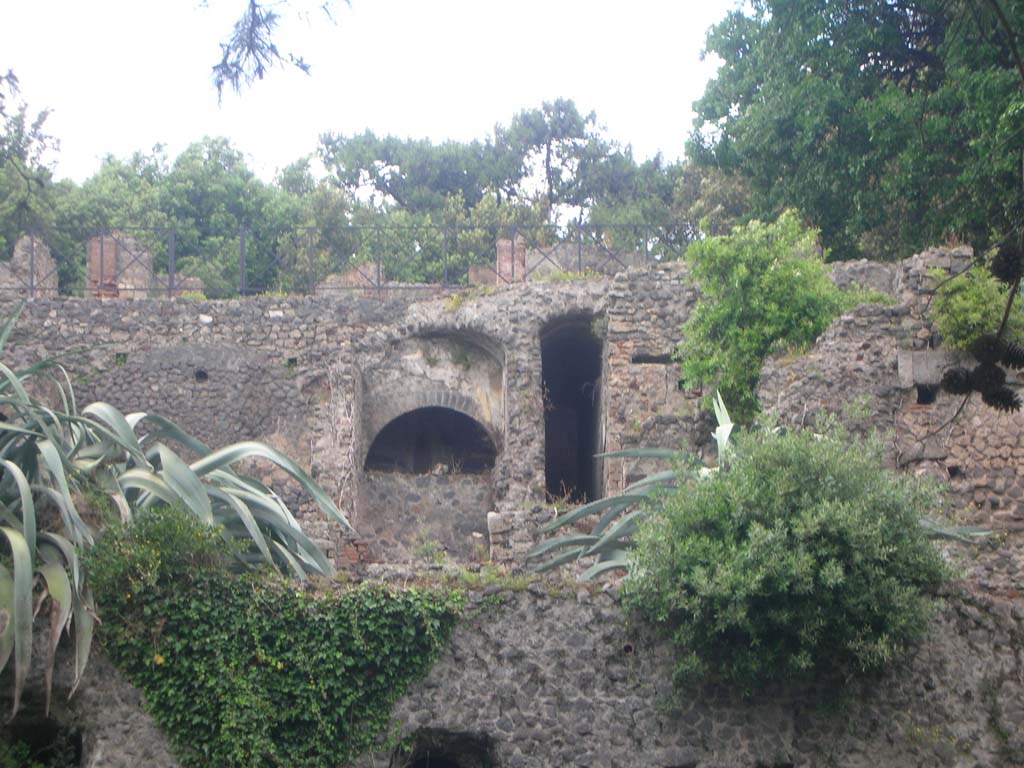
(619, 516)
(50, 452)
(609, 540)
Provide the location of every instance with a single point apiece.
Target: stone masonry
(553, 674)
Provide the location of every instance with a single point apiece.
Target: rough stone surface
(425, 517)
(878, 368)
(553, 675)
(560, 679)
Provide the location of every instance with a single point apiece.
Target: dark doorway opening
(571, 373)
(434, 762)
(422, 440)
(435, 748)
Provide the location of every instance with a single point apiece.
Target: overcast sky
(123, 75)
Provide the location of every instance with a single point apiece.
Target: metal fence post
(311, 280)
(579, 246)
(32, 265)
(241, 260)
(171, 233)
(647, 243)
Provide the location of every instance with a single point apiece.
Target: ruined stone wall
(559, 680)
(320, 376)
(30, 272)
(324, 374)
(644, 405)
(551, 676)
(880, 367)
(427, 517)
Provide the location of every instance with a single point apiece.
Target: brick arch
(390, 408)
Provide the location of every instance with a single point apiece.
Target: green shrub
(251, 670)
(969, 305)
(803, 559)
(764, 288)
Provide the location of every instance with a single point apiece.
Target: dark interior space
(571, 362)
(423, 440)
(434, 762)
(435, 748)
(43, 740)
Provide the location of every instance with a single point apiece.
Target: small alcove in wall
(571, 358)
(427, 487)
(432, 439)
(436, 748)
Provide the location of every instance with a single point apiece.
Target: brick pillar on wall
(511, 264)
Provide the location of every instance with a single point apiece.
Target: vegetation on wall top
(803, 559)
(764, 288)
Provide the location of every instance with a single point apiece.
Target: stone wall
(553, 675)
(221, 394)
(324, 374)
(427, 517)
(879, 368)
(564, 680)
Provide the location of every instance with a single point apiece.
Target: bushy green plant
(972, 304)
(763, 288)
(248, 669)
(803, 559)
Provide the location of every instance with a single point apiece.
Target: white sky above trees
(124, 75)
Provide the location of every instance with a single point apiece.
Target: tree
(887, 124)
(414, 175)
(250, 50)
(25, 174)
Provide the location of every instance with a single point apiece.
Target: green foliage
(889, 125)
(969, 305)
(54, 456)
(249, 670)
(763, 288)
(804, 559)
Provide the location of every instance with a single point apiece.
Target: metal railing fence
(255, 259)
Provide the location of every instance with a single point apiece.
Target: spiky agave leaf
(16, 594)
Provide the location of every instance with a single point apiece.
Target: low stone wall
(552, 679)
(425, 517)
(555, 675)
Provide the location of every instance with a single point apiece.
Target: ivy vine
(244, 670)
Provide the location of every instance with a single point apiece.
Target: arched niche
(427, 487)
(432, 439)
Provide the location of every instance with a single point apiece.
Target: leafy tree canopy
(890, 125)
